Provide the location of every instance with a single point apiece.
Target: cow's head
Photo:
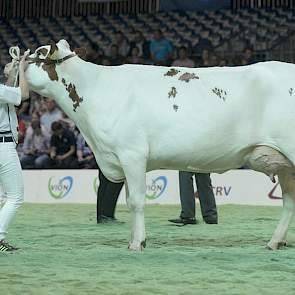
(43, 64)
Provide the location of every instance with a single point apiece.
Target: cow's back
(215, 117)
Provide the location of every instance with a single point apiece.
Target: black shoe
(184, 221)
(211, 220)
(108, 219)
(5, 247)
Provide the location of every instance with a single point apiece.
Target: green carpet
(64, 251)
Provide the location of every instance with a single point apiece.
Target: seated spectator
(183, 60)
(114, 59)
(247, 57)
(142, 44)
(67, 122)
(23, 111)
(161, 49)
(205, 59)
(203, 43)
(21, 131)
(122, 44)
(37, 104)
(62, 147)
(91, 53)
(135, 58)
(36, 147)
(85, 156)
(51, 115)
(223, 62)
(214, 60)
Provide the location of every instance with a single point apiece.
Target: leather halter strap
(50, 61)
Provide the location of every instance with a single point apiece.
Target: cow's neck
(91, 122)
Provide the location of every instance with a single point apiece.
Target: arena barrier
(80, 186)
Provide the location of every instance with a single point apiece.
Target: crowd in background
(48, 139)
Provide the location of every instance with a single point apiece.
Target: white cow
(138, 118)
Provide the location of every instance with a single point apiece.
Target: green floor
(65, 252)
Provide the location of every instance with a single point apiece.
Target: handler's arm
(14, 95)
(23, 84)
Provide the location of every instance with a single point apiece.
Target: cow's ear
(42, 52)
(53, 49)
(81, 52)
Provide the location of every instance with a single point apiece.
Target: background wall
(72, 186)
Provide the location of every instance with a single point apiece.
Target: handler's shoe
(108, 219)
(184, 221)
(5, 247)
(211, 221)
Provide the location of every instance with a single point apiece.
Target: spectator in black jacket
(62, 147)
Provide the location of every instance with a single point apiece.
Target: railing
(237, 4)
(47, 8)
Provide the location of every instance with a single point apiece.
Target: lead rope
(14, 52)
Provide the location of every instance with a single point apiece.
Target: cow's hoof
(276, 245)
(143, 244)
(272, 245)
(137, 246)
(282, 244)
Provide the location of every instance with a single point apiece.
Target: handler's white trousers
(11, 180)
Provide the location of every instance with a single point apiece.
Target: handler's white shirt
(9, 97)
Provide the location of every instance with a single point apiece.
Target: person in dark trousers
(187, 198)
(107, 197)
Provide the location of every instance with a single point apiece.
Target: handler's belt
(6, 139)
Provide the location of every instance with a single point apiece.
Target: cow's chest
(109, 164)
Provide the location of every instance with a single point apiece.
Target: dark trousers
(107, 196)
(205, 192)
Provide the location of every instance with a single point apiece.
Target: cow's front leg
(135, 184)
(288, 189)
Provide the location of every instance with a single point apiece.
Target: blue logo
(156, 188)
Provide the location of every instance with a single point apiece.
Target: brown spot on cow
(48, 65)
(175, 107)
(172, 92)
(172, 72)
(51, 71)
(187, 77)
(71, 88)
(220, 93)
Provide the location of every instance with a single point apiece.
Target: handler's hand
(23, 62)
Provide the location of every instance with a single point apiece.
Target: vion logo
(59, 188)
(155, 189)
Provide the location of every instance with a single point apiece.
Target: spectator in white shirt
(52, 114)
(36, 146)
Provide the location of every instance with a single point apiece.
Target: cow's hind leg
(271, 162)
(135, 193)
(287, 183)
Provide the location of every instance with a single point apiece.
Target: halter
(49, 61)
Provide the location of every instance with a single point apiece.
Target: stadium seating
(228, 30)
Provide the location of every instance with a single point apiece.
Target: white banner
(80, 186)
